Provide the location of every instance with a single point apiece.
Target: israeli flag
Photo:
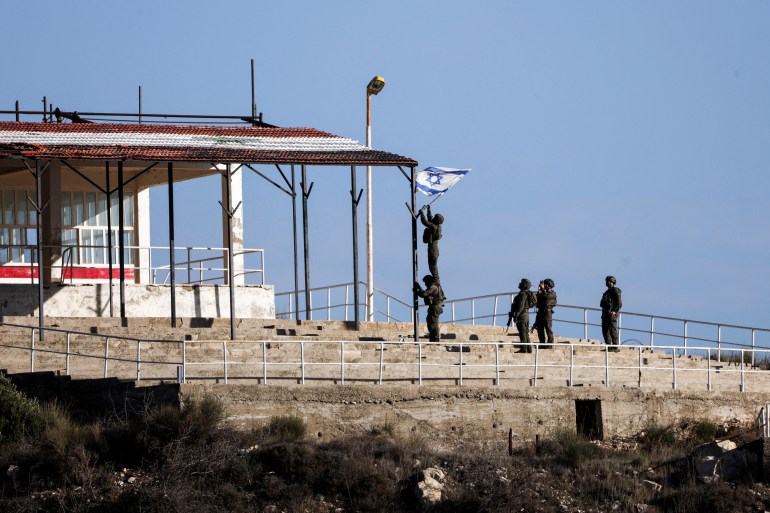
(438, 180)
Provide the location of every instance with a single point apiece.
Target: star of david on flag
(438, 180)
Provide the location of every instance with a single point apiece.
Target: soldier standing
(546, 300)
(520, 315)
(434, 299)
(431, 236)
(611, 304)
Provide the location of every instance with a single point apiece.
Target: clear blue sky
(625, 138)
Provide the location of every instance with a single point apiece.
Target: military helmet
(524, 284)
(428, 278)
(438, 219)
(611, 279)
(549, 282)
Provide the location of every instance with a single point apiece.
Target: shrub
(575, 448)
(284, 428)
(656, 435)
(20, 415)
(705, 431)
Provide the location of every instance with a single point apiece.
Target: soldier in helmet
(611, 305)
(546, 300)
(434, 299)
(520, 315)
(431, 236)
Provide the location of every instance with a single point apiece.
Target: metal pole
(369, 224)
(306, 242)
(354, 209)
(415, 303)
(121, 243)
(230, 271)
(294, 232)
(140, 104)
(109, 229)
(172, 249)
(38, 218)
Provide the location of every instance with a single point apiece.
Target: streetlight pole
(375, 86)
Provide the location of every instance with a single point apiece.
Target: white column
(142, 231)
(236, 190)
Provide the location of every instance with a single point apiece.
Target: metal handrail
(418, 365)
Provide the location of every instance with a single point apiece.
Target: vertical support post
(419, 361)
(224, 358)
(230, 270)
(306, 241)
(461, 363)
(708, 368)
(673, 360)
(537, 361)
(110, 247)
(719, 343)
(39, 227)
(184, 361)
(342, 362)
(685, 338)
(494, 313)
(106, 354)
(473, 312)
(652, 331)
(585, 324)
(606, 367)
(382, 357)
(753, 345)
(415, 302)
(354, 215)
(264, 362)
(171, 245)
(138, 359)
(302, 361)
(294, 233)
(743, 376)
(32, 351)
(571, 365)
(639, 384)
(497, 364)
(121, 242)
(67, 363)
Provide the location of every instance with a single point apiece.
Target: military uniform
(611, 304)
(433, 296)
(546, 300)
(430, 236)
(520, 315)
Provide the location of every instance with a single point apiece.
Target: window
(18, 232)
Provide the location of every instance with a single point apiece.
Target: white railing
(301, 361)
(192, 264)
(579, 322)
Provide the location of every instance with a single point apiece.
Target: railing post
(310, 306)
(537, 355)
(494, 313)
(67, 361)
(639, 384)
(571, 364)
(652, 331)
(291, 307)
(585, 324)
(606, 366)
(106, 353)
(138, 359)
(473, 311)
(302, 361)
(347, 300)
(224, 356)
(708, 368)
(329, 304)
(342, 362)
(382, 353)
(32, 352)
(685, 338)
(453, 311)
(184, 361)
(753, 345)
(387, 307)
(620, 328)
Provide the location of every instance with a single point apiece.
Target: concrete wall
(454, 415)
(92, 300)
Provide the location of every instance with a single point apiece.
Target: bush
(575, 448)
(655, 435)
(20, 416)
(283, 428)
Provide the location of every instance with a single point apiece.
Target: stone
(429, 487)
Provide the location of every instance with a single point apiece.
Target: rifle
(508, 325)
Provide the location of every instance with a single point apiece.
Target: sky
(604, 137)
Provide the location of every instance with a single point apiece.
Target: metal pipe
(140, 104)
(108, 192)
(171, 249)
(306, 241)
(294, 232)
(121, 242)
(415, 302)
(354, 215)
(230, 270)
(39, 227)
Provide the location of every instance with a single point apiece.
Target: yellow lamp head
(375, 85)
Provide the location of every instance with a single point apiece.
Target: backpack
(531, 299)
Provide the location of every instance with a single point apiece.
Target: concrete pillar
(142, 231)
(236, 190)
(51, 224)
